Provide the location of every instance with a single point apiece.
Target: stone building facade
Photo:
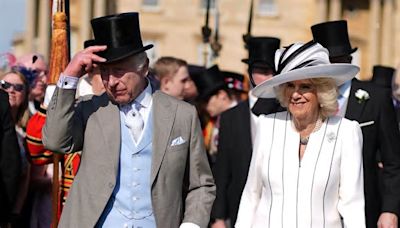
(174, 26)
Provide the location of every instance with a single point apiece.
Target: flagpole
(59, 58)
(206, 33)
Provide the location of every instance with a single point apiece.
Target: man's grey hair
(139, 60)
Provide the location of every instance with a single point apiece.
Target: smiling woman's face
(16, 97)
(301, 98)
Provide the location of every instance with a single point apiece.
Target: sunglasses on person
(17, 87)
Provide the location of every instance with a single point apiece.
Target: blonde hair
(168, 66)
(327, 93)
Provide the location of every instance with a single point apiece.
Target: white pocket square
(367, 123)
(178, 141)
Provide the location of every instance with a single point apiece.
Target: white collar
(145, 97)
(143, 100)
(252, 100)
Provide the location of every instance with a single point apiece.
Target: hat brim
(340, 73)
(114, 55)
(342, 53)
(207, 93)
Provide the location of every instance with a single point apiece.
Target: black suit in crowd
(380, 135)
(234, 156)
(10, 162)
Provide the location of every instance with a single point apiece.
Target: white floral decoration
(361, 95)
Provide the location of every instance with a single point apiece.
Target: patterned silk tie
(134, 121)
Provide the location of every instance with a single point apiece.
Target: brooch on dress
(331, 136)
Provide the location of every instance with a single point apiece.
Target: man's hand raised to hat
(84, 61)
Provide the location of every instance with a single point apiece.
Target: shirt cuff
(188, 225)
(67, 82)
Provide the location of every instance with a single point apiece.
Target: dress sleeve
(351, 189)
(252, 191)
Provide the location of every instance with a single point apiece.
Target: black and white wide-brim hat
(304, 61)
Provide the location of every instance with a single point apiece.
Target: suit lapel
(109, 117)
(163, 119)
(246, 124)
(354, 109)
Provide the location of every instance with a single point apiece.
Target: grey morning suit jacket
(182, 188)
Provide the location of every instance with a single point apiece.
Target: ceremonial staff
(59, 59)
(247, 36)
(215, 44)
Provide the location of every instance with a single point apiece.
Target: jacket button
(111, 185)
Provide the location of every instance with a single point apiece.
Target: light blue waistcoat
(130, 203)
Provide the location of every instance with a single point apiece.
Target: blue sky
(12, 20)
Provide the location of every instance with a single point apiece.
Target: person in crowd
(173, 75)
(10, 160)
(215, 98)
(16, 85)
(237, 133)
(306, 169)
(373, 109)
(35, 69)
(143, 160)
(191, 92)
(235, 83)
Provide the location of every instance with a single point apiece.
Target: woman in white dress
(306, 169)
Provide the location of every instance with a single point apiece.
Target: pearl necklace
(318, 124)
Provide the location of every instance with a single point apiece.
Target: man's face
(218, 103)
(261, 74)
(122, 81)
(176, 84)
(190, 91)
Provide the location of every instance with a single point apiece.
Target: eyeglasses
(17, 87)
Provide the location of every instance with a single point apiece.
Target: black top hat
(209, 82)
(121, 34)
(333, 35)
(233, 81)
(262, 51)
(383, 76)
(195, 71)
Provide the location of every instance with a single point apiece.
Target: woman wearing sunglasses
(16, 85)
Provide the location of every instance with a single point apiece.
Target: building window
(150, 3)
(267, 8)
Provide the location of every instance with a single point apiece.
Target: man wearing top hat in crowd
(373, 109)
(215, 98)
(143, 160)
(384, 77)
(237, 132)
(235, 83)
